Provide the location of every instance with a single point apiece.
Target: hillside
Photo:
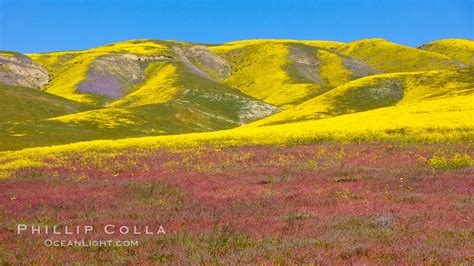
(431, 121)
(19, 70)
(285, 73)
(379, 91)
(390, 57)
(137, 88)
(459, 49)
(281, 73)
(149, 87)
(99, 75)
(22, 104)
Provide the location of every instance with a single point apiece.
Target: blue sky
(52, 25)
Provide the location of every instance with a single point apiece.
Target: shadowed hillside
(22, 104)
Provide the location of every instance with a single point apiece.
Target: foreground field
(373, 202)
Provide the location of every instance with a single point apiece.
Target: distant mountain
(149, 87)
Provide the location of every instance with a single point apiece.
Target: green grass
(21, 104)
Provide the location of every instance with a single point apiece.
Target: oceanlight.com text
(91, 243)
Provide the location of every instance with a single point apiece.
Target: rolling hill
(378, 91)
(149, 88)
(461, 50)
(28, 104)
(285, 73)
(390, 57)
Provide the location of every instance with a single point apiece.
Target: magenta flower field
(372, 203)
